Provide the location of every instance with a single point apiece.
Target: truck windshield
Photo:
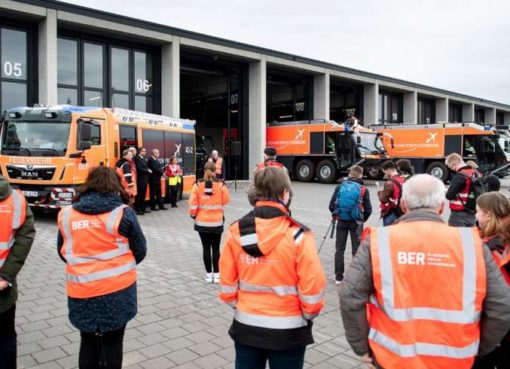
(35, 138)
(370, 143)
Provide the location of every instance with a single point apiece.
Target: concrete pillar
(442, 114)
(490, 116)
(321, 96)
(170, 79)
(468, 112)
(506, 119)
(410, 107)
(48, 93)
(371, 104)
(257, 82)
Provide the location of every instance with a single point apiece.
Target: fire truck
(324, 149)
(427, 146)
(47, 151)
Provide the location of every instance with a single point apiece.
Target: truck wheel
(326, 171)
(305, 170)
(374, 172)
(438, 170)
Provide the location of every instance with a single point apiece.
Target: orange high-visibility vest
(502, 259)
(206, 204)
(13, 214)
(130, 190)
(270, 163)
(280, 290)
(458, 203)
(99, 260)
(429, 289)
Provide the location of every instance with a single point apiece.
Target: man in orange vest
(462, 209)
(421, 294)
(127, 172)
(17, 232)
(270, 159)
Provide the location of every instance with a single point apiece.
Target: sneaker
(209, 278)
(216, 277)
(337, 282)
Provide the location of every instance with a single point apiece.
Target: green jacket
(18, 254)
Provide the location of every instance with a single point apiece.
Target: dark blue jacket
(109, 312)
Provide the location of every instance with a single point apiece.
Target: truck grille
(36, 172)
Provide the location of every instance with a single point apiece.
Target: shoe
(216, 277)
(209, 278)
(140, 212)
(154, 209)
(337, 282)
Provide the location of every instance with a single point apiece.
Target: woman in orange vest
(101, 241)
(272, 276)
(206, 202)
(492, 211)
(174, 174)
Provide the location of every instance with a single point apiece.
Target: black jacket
(157, 170)
(142, 169)
(126, 169)
(367, 205)
(457, 184)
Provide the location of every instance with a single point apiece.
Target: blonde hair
(453, 159)
(209, 170)
(269, 183)
(356, 171)
(498, 207)
(472, 164)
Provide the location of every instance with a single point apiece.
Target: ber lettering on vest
(411, 258)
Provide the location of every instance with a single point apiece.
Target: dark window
(480, 115)
(103, 74)
(95, 134)
(13, 76)
(500, 118)
(127, 138)
(345, 101)
(287, 97)
(455, 113)
(391, 107)
(426, 111)
(153, 139)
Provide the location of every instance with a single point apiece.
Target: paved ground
(181, 323)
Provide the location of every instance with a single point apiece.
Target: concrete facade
(52, 15)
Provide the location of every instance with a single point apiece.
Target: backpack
(349, 200)
(477, 185)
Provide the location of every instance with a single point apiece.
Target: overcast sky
(458, 45)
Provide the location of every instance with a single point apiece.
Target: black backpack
(478, 185)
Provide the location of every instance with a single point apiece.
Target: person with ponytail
(208, 197)
(493, 217)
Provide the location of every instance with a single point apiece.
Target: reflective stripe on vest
(466, 315)
(422, 348)
(272, 322)
(208, 224)
(18, 218)
(103, 274)
(210, 207)
(228, 289)
(277, 290)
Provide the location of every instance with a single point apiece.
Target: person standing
(350, 206)
(206, 202)
(462, 209)
(142, 178)
(17, 233)
(127, 172)
(404, 168)
(272, 275)
(218, 162)
(270, 159)
(174, 174)
(101, 242)
(156, 172)
(422, 294)
(391, 193)
(492, 211)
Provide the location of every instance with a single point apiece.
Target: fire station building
(57, 53)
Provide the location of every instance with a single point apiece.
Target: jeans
(461, 219)
(248, 357)
(389, 219)
(8, 348)
(104, 351)
(211, 242)
(343, 229)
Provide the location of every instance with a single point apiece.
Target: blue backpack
(348, 202)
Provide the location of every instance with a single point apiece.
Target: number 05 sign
(12, 69)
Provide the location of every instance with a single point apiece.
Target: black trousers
(343, 229)
(155, 195)
(211, 243)
(140, 196)
(8, 348)
(174, 191)
(101, 351)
